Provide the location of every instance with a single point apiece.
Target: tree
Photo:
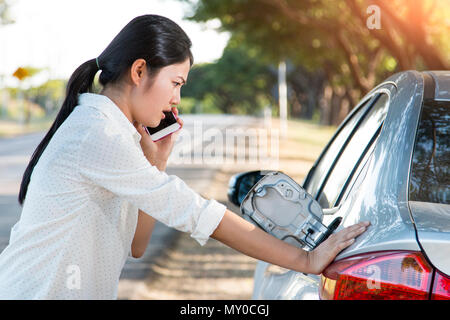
(5, 17)
(237, 83)
(23, 74)
(333, 37)
(49, 95)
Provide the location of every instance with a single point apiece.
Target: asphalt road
(16, 152)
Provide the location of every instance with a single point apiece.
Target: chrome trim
(385, 83)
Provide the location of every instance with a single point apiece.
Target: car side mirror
(240, 184)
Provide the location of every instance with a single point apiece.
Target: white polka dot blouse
(80, 212)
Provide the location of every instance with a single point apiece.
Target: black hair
(158, 40)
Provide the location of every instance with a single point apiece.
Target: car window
(332, 150)
(430, 176)
(360, 173)
(353, 152)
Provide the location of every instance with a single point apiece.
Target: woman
(96, 183)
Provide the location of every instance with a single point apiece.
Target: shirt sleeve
(114, 161)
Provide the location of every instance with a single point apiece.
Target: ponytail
(80, 82)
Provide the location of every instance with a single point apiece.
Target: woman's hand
(241, 235)
(158, 152)
(324, 254)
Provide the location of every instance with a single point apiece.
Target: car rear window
(430, 178)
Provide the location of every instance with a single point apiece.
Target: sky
(62, 34)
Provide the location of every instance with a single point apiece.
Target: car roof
(442, 84)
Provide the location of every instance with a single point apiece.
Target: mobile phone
(167, 126)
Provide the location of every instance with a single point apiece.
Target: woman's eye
(177, 84)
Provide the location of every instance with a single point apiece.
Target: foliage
(237, 83)
(5, 17)
(48, 96)
(333, 38)
(333, 35)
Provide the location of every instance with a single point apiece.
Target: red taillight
(441, 287)
(396, 275)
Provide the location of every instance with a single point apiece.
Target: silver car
(387, 163)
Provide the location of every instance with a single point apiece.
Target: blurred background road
(14, 156)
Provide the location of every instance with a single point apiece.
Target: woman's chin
(155, 123)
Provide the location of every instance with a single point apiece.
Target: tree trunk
(325, 104)
(336, 105)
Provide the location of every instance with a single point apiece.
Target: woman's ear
(137, 71)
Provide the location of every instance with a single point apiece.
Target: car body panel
(437, 249)
(287, 286)
(433, 231)
(380, 197)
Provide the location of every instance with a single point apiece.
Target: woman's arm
(240, 234)
(243, 236)
(143, 234)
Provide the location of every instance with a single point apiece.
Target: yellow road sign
(21, 73)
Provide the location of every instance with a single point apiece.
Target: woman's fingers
(325, 253)
(175, 111)
(345, 244)
(352, 232)
(140, 128)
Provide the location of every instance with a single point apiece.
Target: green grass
(309, 133)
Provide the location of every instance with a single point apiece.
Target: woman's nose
(176, 98)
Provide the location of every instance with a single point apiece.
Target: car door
(334, 172)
